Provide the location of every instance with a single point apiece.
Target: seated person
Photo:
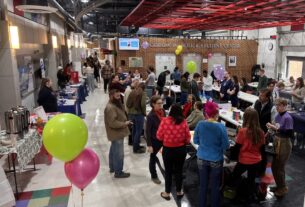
(195, 116)
(167, 99)
(188, 106)
(244, 86)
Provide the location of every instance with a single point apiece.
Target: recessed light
(84, 1)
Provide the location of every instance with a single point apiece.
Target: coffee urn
(25, 116)
(13, 122)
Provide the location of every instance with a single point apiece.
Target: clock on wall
(270, 46)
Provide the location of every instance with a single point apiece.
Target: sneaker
(156, 181)
(111, 171)
(280, 192)
(122, 175)
(139, 151)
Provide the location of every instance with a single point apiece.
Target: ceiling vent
(36, 6)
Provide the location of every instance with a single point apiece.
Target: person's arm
(112, 120)
(301, 96)
(225, 140)
(160, 132)
(196, 138)
(149, 124)
(143, 103)
(187, 133)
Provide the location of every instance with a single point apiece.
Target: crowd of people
(168, 127)
(167, 124)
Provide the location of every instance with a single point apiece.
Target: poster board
(165, 61)
(135, 62)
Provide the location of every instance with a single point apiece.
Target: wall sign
(199, 45)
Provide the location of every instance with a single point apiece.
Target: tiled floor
(136, 191)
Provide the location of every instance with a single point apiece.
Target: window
(295, 67)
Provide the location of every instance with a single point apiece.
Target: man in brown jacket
(116, 123)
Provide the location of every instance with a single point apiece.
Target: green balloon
(191, 67)
(65, 136)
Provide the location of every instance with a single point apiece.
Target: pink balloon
(83, 169)
(210, 55)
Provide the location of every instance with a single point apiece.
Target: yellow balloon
(180, 48)
(177, 52)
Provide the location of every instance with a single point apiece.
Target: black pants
(173, 159)
(97, 78)
(106, 81)
(160, 90)
(252, 171)
(156, 145)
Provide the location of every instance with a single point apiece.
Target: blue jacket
(212, 139)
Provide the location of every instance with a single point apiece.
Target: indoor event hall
(152, 103)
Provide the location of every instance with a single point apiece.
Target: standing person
(264, 107)
(298, 93)
(127, 92)
(262, 81)
(154, 119)
(174, 133)
(233, 91)
(194, 86)
(137, 75)
(62, 79)
(161, 81)
(185, 87)
(250, 141)
(116, 124)
(97, 67)
(274, 94)
(207, 84)
(195, 116)
(225, 85)
(176, 76)
(283, 128)
(212, 138)
(150, 80)
(136, 104)
(107, 72)
(115, 84)
(291, 81)
(47, 97)
(90, 77)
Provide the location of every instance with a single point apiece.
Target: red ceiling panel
(216, 14)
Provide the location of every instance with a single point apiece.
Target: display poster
(26, 76)
(135, 62)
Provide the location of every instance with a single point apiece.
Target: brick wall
(246, 53)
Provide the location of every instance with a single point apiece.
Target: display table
(253, 85)
(247, 97)
(23, 148)
(70, 106)
(82, 91)
(227, 115)
(175, 89)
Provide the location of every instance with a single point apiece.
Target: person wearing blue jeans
(212, 138)
(116, 156)
(138, 124)
(136, 105)
(116, 124)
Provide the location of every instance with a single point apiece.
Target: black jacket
(162, 79)
(152, 125)
(264, 115)
(194, 90)
(225, 85)
(47, 99)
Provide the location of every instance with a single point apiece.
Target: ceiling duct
(36, 6)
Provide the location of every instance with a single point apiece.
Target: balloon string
(82, 194)
(72, 195)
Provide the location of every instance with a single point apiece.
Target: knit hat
(211, 109)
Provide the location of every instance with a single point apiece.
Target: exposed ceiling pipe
(68, 16)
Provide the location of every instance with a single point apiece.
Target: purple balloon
(145, 44)
(219, 72)
(83, 169)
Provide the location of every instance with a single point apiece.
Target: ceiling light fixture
(14, 37)
(84, 1)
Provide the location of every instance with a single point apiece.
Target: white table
(175, 89)
(253, 84)
(241, 95)
(227, 116)
(247, 97)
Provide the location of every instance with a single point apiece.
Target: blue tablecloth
(298, 122)
(73, 109)
(82, 91)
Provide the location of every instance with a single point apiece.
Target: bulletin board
(165, 61)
